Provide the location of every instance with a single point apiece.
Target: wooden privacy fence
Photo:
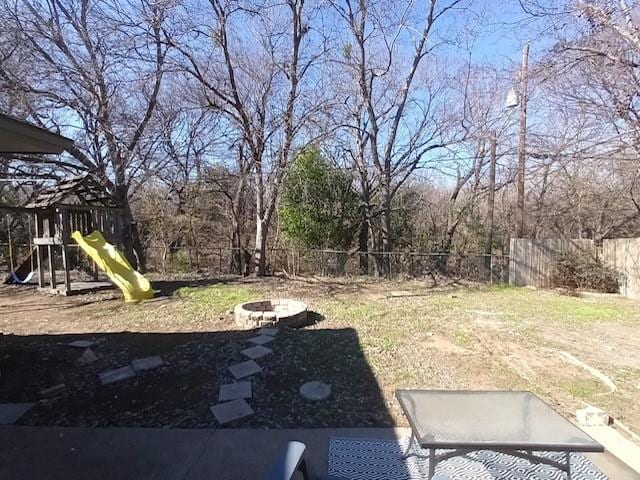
(531, 261)
(623, 255)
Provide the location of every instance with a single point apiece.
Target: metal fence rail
(217, 261)
(475, 267)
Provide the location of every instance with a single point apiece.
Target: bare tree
(234, 186)
(397, 107)
(256, 78)
(97, 72)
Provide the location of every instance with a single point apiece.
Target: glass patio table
(511, 422)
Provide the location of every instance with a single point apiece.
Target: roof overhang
(17, 136)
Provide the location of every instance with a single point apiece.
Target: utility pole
(522, 144)
(488, 245)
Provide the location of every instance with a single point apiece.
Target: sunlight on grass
(473, 337)
(583, 388)
(216, 299)
(528, 304)
(463, 338)
(577, 309)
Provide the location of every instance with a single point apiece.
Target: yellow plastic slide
(133, 285)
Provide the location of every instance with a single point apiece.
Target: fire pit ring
(268, 313)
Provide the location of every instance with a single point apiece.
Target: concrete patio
(46, 453)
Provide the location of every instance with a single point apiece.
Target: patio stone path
(147, 363)
(233, 391)
(261, 339)
(230, 411)
(116, 375)
(272, 332)
(315, 391)
(87, 357)
(11, 412)
(232, 396)
(244, 369)
(256, 352)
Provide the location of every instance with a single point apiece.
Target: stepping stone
(230, 411)
(81, 344)
(233, 391)
(11, 412)
(256, 352)
(52, 391)
(272, 332)
(244, 369)
(147, 363)
(261, 339)
(116, 375)
(87, 357)
(315, 391)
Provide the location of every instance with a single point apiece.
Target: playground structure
(77, 214)
(132, 283)
(76, 204)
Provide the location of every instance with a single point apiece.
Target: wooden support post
(51, 251)
(39, 256)
(52, 267)
(66, 234)
(522, 142)
(66, 266)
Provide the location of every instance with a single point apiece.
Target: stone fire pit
(265, 313)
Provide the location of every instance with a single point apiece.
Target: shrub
(318, 206)
(584, 273)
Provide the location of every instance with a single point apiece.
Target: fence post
(491, 269)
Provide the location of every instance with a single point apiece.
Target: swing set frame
(78, 203)
(75, 204)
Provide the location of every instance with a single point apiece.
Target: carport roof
(17, 136)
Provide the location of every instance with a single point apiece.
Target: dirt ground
(370, 337)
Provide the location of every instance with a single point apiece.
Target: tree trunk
(138, 248)
(260, 256)
(378, 256)
(236, 248)
(131, 243)
(363, 240)
(386, 230)
(236, 222)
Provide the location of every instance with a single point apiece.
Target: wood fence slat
(532, 261)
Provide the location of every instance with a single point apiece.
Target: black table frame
(435, 458)
(455, 449)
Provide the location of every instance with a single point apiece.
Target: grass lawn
(371, 338)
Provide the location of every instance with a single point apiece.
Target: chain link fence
(304, 262)
(325, 263)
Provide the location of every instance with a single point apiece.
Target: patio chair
(293, 461)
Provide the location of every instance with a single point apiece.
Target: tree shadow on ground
(179, 394)
(167, 288)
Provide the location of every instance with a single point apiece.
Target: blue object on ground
(15, 279)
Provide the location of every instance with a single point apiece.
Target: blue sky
(507, 29)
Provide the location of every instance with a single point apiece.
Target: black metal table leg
(432, 462)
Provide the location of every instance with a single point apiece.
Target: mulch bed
(179, 394)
